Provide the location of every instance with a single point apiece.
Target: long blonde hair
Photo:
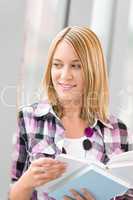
(88, 48)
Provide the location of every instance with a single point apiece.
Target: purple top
(38, 125)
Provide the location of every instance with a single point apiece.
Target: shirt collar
(43, 108)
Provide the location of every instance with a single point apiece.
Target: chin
(68, 99)
(65, 98)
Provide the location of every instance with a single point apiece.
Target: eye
(57, 65)
(76, 66)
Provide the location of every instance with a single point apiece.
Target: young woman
(75, 113)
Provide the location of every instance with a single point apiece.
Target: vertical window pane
(126, 110)
(43, 20)
(101, 21)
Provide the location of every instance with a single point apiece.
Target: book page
(73, 162)
(122, 157)
(122, 166)
(123, 172)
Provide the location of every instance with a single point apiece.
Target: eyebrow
(75, 60)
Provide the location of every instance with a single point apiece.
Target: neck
(72, 109)
(71, 112)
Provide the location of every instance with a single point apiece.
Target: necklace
(87, 145)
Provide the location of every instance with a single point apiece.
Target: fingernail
(71, 190)
(83, 189)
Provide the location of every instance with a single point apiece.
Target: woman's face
(66, 73)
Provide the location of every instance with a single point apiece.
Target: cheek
(54, 75)
(81, 81)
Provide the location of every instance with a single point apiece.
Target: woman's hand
(85, 195)
(41, 171)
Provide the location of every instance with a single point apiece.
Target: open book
(102, 181)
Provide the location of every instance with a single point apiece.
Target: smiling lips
(66, 86)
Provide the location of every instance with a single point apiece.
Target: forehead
(65, 50)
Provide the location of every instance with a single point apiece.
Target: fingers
(43, 161)
(86, 194)
(38, 170)
(52, 174)
(43, 170)
(38, 178)
(46, 165)
(66, 198)
(58, 168)
(46, 173)
(45, 178)
(76, 195)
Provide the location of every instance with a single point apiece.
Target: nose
(66, 73)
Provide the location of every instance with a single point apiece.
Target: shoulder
(119, 132)
(36, 109)
(31, 117)
(117, 123)
(118, 135)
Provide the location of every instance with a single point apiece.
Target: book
(102, 181)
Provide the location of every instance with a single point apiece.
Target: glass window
(40, 27)
(101, 22)
(126, 109)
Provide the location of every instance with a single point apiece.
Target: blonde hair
(88, 48)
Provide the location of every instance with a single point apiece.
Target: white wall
(11, 51)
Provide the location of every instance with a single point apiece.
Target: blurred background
(27, 29)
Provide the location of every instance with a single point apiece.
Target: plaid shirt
(40, 131)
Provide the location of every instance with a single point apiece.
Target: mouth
(66, 86)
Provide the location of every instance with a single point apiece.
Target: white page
(122, 157)
(123, 172)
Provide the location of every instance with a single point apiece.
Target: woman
(77, 108)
